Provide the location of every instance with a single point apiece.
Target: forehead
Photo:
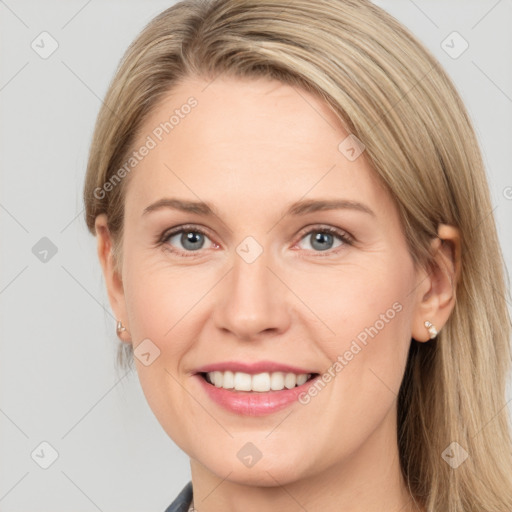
(237, 140)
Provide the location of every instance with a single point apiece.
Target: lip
(252, 368)
(253, 403)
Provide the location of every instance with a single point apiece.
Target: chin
(277, 469)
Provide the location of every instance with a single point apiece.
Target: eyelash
(190, 228)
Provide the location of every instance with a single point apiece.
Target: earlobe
(113, 280)
(436, 299)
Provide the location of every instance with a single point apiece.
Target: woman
(297, 239)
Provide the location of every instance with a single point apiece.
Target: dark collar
(182, 501)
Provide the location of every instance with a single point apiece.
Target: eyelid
(341, 233)
(178, 229)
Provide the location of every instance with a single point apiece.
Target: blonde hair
(392, 94)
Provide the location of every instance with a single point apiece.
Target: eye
(323, 239)
(187, 239)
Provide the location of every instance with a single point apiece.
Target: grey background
(58, 379)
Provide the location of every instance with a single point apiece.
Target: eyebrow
(302, 207)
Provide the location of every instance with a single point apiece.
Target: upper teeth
(259, 382)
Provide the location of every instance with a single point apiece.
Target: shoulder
(182, 501)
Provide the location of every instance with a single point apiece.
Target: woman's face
(256, 278)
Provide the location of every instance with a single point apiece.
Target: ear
(113, 279)
(436, 294)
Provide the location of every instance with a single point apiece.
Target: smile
(260, 382)
(254, 394)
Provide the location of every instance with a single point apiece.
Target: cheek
(362, 301)
(368, 311)
(160, 298)
(167, 305)
(160, 305)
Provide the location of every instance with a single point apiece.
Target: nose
(253, 301)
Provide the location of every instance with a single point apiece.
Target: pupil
(322, 238)
(191, 238)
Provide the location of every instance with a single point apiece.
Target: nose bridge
(252, 280)
(254, 300)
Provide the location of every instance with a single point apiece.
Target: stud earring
(431, 329)
(122, 332)
(120, 327)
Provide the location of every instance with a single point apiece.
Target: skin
(251, 148)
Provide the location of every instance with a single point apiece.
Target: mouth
(264, 382)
